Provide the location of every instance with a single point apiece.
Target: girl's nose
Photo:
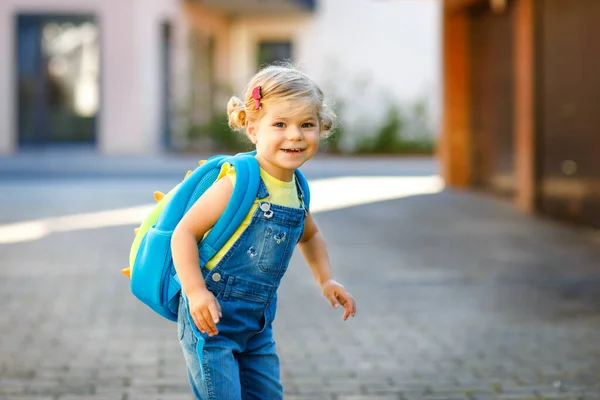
(294, 133)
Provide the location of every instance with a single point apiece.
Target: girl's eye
(279, 125)
(308, 125)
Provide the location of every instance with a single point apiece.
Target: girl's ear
(251, 131)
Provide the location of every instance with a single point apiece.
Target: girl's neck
(280, 174)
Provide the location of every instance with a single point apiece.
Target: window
(270, 52)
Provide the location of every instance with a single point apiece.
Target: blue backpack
(153, 276)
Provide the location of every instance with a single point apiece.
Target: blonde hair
(280, 83)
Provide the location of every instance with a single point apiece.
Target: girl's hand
(205, 311)
(337, 294)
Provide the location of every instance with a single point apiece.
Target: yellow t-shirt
(282, 193)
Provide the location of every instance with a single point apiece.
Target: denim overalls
(240, 362)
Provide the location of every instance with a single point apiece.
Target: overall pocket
(276, 249)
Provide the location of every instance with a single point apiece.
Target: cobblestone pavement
(459, 297)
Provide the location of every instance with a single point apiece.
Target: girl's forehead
(291, 108)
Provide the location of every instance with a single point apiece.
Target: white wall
(246, 33)
(149, 16)
(366, 52)
(390, 46)
(362, 49)
(129, 117)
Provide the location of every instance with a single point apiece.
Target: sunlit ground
(326, 194)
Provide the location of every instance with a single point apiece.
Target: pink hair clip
(257, 96)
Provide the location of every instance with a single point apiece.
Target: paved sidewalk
(459, 297)
(91, 165)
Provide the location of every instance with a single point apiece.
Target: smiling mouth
(292, 150)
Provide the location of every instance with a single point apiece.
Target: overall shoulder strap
(244, 193)
(304, 188)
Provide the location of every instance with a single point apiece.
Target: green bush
(222, 137)
(332, 143)
(390, 138)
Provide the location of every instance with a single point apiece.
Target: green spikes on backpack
(147, 223)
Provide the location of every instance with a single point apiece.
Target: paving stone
(370, 397)
(316, 396)
(459, 296)
(11, 397)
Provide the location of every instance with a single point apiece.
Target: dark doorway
(492, 81)
(270, 52)
(568, 97)
(165, 76)
(58, 83)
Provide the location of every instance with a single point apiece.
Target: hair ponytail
(236, 113)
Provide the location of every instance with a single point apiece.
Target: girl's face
(286, 137)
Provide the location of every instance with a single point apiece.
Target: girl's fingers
(333, 300)
(349, 305)
(214, 313)
(350, 309)
(344, 298)
(208, 320)
(347, 309)
(346, 314)
(200, 323)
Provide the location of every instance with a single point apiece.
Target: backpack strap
(244, 193)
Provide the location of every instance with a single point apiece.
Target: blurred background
(460, 194)
(156, 76)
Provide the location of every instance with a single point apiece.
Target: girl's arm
(314, 249)
(190, 230)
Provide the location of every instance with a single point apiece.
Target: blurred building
(86, 73)
(520, 104)
(130, 77)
